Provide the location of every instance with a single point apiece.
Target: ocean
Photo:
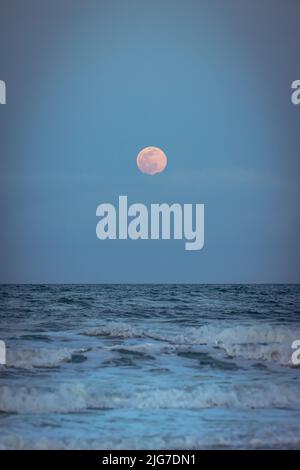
(149, 367)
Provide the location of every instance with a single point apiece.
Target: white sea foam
(115, 329)
(221, 334)
(151, 348)
(72, 397)
(288, 440)
(38, 357)
(22, 399)
(260, 342)
(277, 353)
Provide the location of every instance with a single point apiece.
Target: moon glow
(151, 160)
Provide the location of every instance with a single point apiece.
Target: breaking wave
(119, 330)
(273, 440)
(39, 357)
(75, 397)
(256, 343)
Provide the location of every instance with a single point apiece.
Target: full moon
(151, 160)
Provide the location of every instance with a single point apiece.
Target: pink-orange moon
(151, 160)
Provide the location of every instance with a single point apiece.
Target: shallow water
(149, 366)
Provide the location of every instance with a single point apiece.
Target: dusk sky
(90, 83)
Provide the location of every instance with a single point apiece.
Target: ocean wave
(276, 353)
(259, 342)
(115, 329)
(74, 397)
(146, 348)
(272, 440)
(220, 334)
(39, 357)
(62, 399)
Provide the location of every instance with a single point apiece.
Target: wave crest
(38, 357)
(72, 397)
(258, 343)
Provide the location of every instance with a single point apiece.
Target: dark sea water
(149, 366)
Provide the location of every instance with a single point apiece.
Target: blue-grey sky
(90, 83)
